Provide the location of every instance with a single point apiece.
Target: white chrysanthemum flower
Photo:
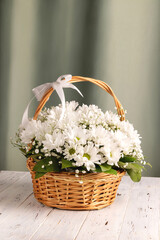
(69, 150)
(28, 134)
(54, 141)
(41, 129)
(111, 118)
(90, 115)
(85, 134)
(115, 155)
(98, 135)
(87, 156)
(74, 134)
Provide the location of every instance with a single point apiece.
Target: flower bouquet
(77, 155)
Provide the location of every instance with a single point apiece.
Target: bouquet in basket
(79, 139)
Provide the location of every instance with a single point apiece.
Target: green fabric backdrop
(115, 41)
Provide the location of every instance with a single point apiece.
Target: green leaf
(128, 159)
(133, 169)
(36, 160)
(111, 171)
(44, 165)
(36, 157)
(98, 169)
(147, 163)
(134, 166)
(105, 167)
(29, 154)
(39, 174)
(66, 163)
(134, 175)
(22, 150)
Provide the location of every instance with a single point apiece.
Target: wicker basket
(64, 190)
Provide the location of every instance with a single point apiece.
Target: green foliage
(147, 163)
(29, 153)
(22, 150)
(133, 169)
(128, 159)
(98, 169)
(39, 174)
(134, 166)
(49, 164)
(134, 175)
(112, 171)
(105, 167)
(66, 163)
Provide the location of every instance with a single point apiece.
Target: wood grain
(14, 195)
(7, 179)
(62, 224)
(25, 220)
(106, 223)
(142, 216)
(133, 216)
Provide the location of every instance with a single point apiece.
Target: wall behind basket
(115, 41)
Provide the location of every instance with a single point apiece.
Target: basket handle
(99, 83)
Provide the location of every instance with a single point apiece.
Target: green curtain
(115, 41)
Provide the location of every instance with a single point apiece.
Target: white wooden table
(134, 214)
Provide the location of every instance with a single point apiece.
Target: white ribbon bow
(62, 82)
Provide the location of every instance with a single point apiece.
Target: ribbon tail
(61, 95)
(75, 88)
(25, 119)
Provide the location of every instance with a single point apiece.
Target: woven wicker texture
(64, 190)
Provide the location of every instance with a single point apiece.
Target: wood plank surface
(9, 177)
(62, 224)
(142, 216)
(14, 195)
(25, 220)
(106, 223)
(133, 216)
